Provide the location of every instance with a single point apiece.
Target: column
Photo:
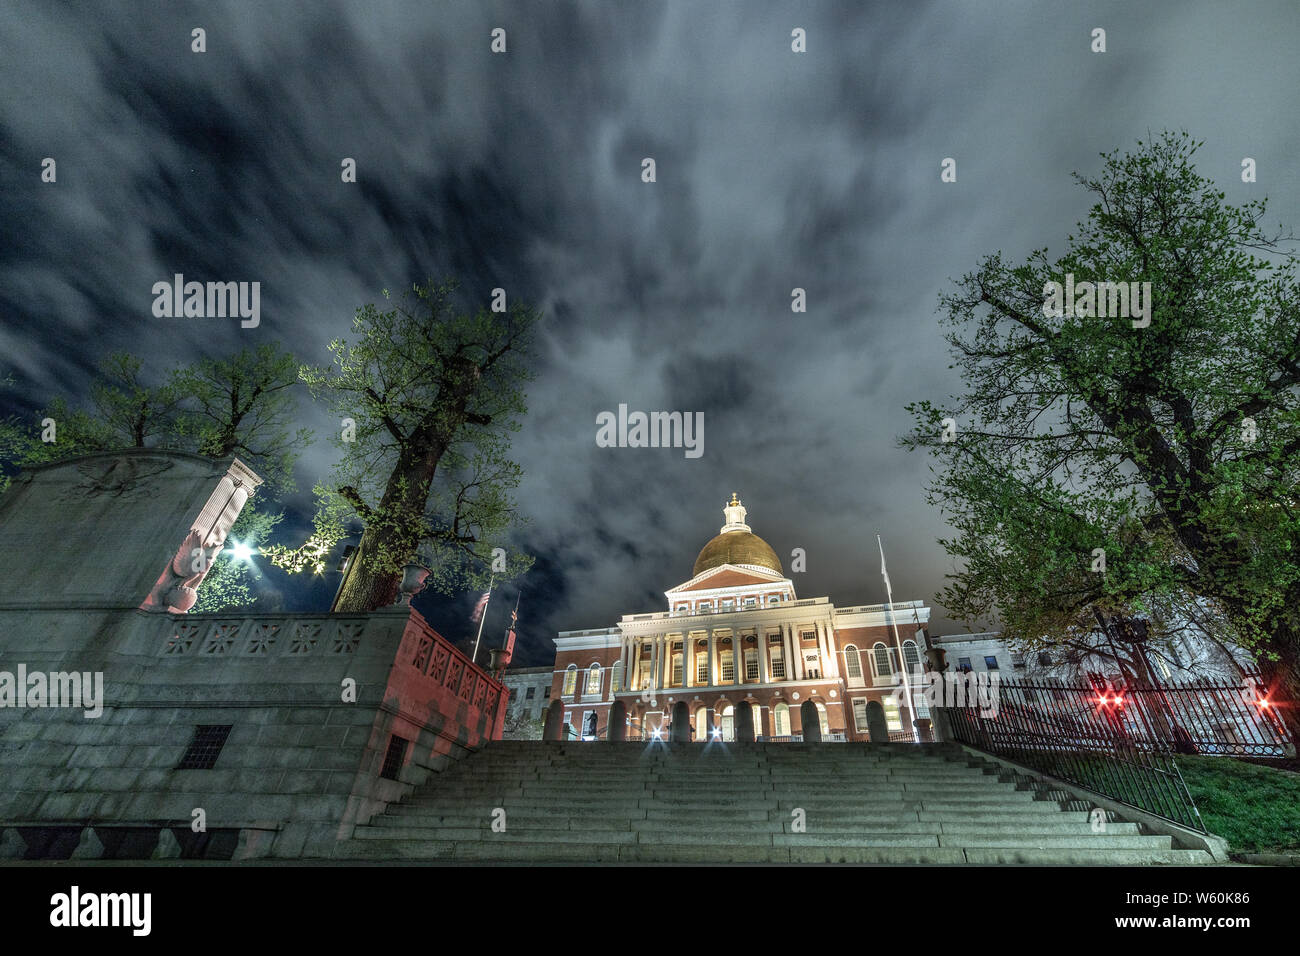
(623, 658)
(636, 665)
(713, 674)
(688, 650)
(738, 656)
(822, 650)
(665, 664)
(654, 660)
(833, 646)
(796, 640)
(764, 670)
(789, 653)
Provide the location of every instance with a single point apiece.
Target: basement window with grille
(205, 747)
(393, 759)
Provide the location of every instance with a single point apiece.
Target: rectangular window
(394, 758)
(991, 663)
(808, 637)
(774, 638)
(530, 693)
(702, 669)
(893, 716)
(205, 747)
(677, 670)
(616, 678)
(963, 663)
(546, 692)
(778, 664)
(750, 603)
(728, 667)
(751, 664)
(860, 715)
(1017, 660)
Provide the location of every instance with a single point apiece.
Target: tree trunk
(396, 531)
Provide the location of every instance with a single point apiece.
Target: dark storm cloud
(775, 171)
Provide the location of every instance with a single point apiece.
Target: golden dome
(737, 547)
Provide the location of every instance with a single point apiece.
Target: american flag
(478, 608)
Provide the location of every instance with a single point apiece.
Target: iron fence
(1121, 741)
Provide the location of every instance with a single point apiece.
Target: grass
(1254, 808)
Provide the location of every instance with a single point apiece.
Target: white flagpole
(902, 660)
(483, 617)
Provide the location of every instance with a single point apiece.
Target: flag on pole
(478, 608)
(510, 634)
(889, 591)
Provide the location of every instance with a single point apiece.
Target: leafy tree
(1172, 447)
(433, 393)
(242, 405)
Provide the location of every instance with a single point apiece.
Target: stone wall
(312, 700)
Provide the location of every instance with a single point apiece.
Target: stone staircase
(723, 803)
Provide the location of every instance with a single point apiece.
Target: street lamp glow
(239, 551)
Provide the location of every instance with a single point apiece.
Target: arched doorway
(744, 723)
(681, 726)
(812, 725)
(554, 721)
(702, 723)
(617, 730)
(877, 728)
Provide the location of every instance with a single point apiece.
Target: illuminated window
(852, 663)
(570, 680)
(880, 656)
(781, 720)
(893, 716)
(860, 714)
(593, 681)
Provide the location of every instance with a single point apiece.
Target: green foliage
(242, 406)
(228, 583)
(434, 393)
(1076, 433)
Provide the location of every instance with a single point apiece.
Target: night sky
(522, 170)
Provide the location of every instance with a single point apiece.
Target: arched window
(593, 681)
(616, 678)
(911, 656)
(701, 723)
(570, 680)
(823, 719)
(884, 666)
(852, 662)
(781, 720)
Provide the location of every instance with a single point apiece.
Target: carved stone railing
(217, 636)
(439, 661)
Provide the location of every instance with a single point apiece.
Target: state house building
(737, 648)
